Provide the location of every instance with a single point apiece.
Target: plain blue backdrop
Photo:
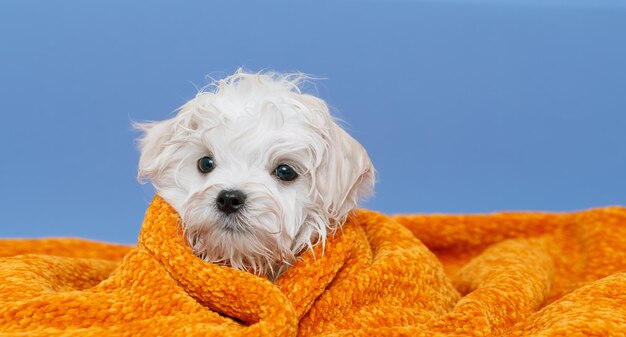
(471, 106)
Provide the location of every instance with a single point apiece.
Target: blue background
(469, 106)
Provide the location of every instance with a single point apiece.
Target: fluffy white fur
(250, 124)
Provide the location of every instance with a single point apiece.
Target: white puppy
(258, 171)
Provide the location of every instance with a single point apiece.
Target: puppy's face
(257, 171)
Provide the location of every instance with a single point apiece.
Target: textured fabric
(505, 274)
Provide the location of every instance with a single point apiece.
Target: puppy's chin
(227, 241)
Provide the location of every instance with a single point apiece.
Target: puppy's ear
(152, 144)
(345, 173)
(349, 174)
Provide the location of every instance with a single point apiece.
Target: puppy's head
(257, 170)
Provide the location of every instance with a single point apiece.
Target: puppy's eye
(206, 164)
(285, 172)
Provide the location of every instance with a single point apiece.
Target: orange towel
(506, 274)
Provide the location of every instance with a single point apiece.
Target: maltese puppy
(258, 171)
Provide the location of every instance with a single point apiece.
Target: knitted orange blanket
(507, 274)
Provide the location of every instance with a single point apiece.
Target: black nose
(230, 201)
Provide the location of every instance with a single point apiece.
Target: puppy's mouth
(233, 227)
(232, 223)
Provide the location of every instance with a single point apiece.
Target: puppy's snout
(230, 201)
